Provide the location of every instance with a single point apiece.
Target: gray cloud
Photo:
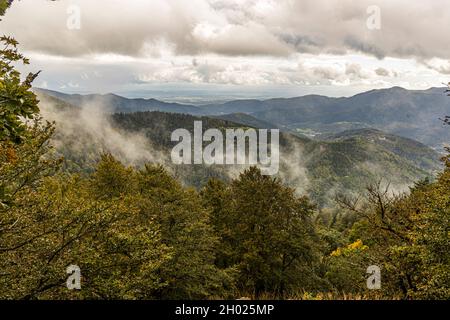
(382, 72)
(232, 28)
(442, 67)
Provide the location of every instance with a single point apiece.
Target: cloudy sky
(232, 48)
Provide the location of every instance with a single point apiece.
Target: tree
(59, 219)
(186, 228)
(183, 223)
(267, 233)
(408, 237)
(4, 4)
(217, 197)
(431, 235)
(17, 101)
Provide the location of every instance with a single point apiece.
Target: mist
(82, 131)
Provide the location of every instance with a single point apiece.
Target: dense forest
(346, 162)
(137, 232)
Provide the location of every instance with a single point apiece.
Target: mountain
(246, 120)
(415, 152)
(235, 106)
(320, 168)
(345, 162)
(411, 114)
(114, 103)
(253, 106)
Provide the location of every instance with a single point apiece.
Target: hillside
(246, 119)
(410, 114)
(345, 162)
(114, 103)
(320, 168)
(416, 152)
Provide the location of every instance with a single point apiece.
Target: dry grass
(316, 296)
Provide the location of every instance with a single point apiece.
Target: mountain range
(412, 114)
(113, 103)
(347, 160)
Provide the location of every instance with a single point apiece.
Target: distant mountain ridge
(114, 103)
(246, 119)
(412, 114)
(346, 161)
(409, 113)
(415, 152)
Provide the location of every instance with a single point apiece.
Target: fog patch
(82, 131)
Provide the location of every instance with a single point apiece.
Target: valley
(319, 165)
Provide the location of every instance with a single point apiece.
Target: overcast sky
(255, 48)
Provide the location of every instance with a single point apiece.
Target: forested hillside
(320, 169)
(96, 190)
(114, 103)
(139, 234)
(409, 113)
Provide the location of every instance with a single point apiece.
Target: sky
(217, 49)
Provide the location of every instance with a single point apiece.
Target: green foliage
(4, 4)
(25, 164)
(17, 102)
(346, 268)
(53, 220)
(430, 235)
(408, 236)
(265, 231)
(138, 233)
(184, 226)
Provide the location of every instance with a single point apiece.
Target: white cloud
(236, 42)
(236, 27)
